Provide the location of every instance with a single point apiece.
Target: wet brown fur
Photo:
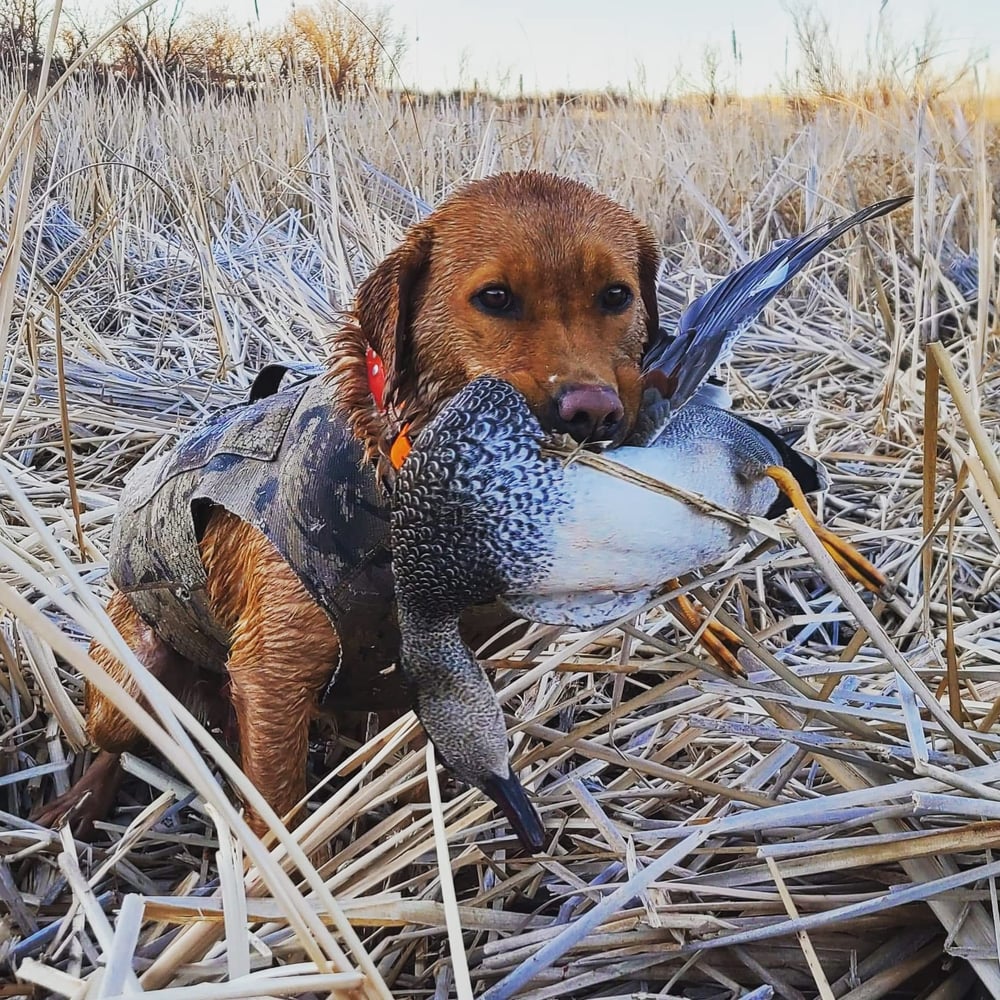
(557, 244)
(283, 650)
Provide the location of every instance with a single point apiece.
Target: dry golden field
(823, 829)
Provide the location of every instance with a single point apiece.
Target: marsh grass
(824, 828)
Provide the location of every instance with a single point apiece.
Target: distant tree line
(351, 50)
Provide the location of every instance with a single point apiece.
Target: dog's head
(533, 278)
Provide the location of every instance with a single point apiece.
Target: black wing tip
(867, 214)
(890, 204)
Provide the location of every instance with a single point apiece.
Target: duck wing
(677, 365)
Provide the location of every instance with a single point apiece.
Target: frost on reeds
(823, 828)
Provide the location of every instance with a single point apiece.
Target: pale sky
(593, 44)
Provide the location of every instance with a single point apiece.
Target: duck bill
(511, 797)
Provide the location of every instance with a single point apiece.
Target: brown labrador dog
(530, 277)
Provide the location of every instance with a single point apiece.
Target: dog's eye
(616, 298)
(494, 299)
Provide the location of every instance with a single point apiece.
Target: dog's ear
(649, 268)
(385, 302)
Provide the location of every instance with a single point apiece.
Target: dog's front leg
(283, 651)
(273, 720)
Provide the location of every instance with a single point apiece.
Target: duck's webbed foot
(722, 643)
(855, 566)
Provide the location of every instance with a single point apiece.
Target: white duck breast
(615, 542)
(481, 514)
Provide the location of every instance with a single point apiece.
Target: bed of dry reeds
(823, 829)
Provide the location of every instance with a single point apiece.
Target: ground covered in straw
(822, 829)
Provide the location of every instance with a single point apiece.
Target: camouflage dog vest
(287, 465)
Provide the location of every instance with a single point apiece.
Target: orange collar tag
(400, 448)
(376, 385)
(376, 376)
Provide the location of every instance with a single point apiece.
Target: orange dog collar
(376, 385)
(400, 447)
(376, 376)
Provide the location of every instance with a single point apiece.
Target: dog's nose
(588, 412)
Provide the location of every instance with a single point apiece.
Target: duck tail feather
(809, 472)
